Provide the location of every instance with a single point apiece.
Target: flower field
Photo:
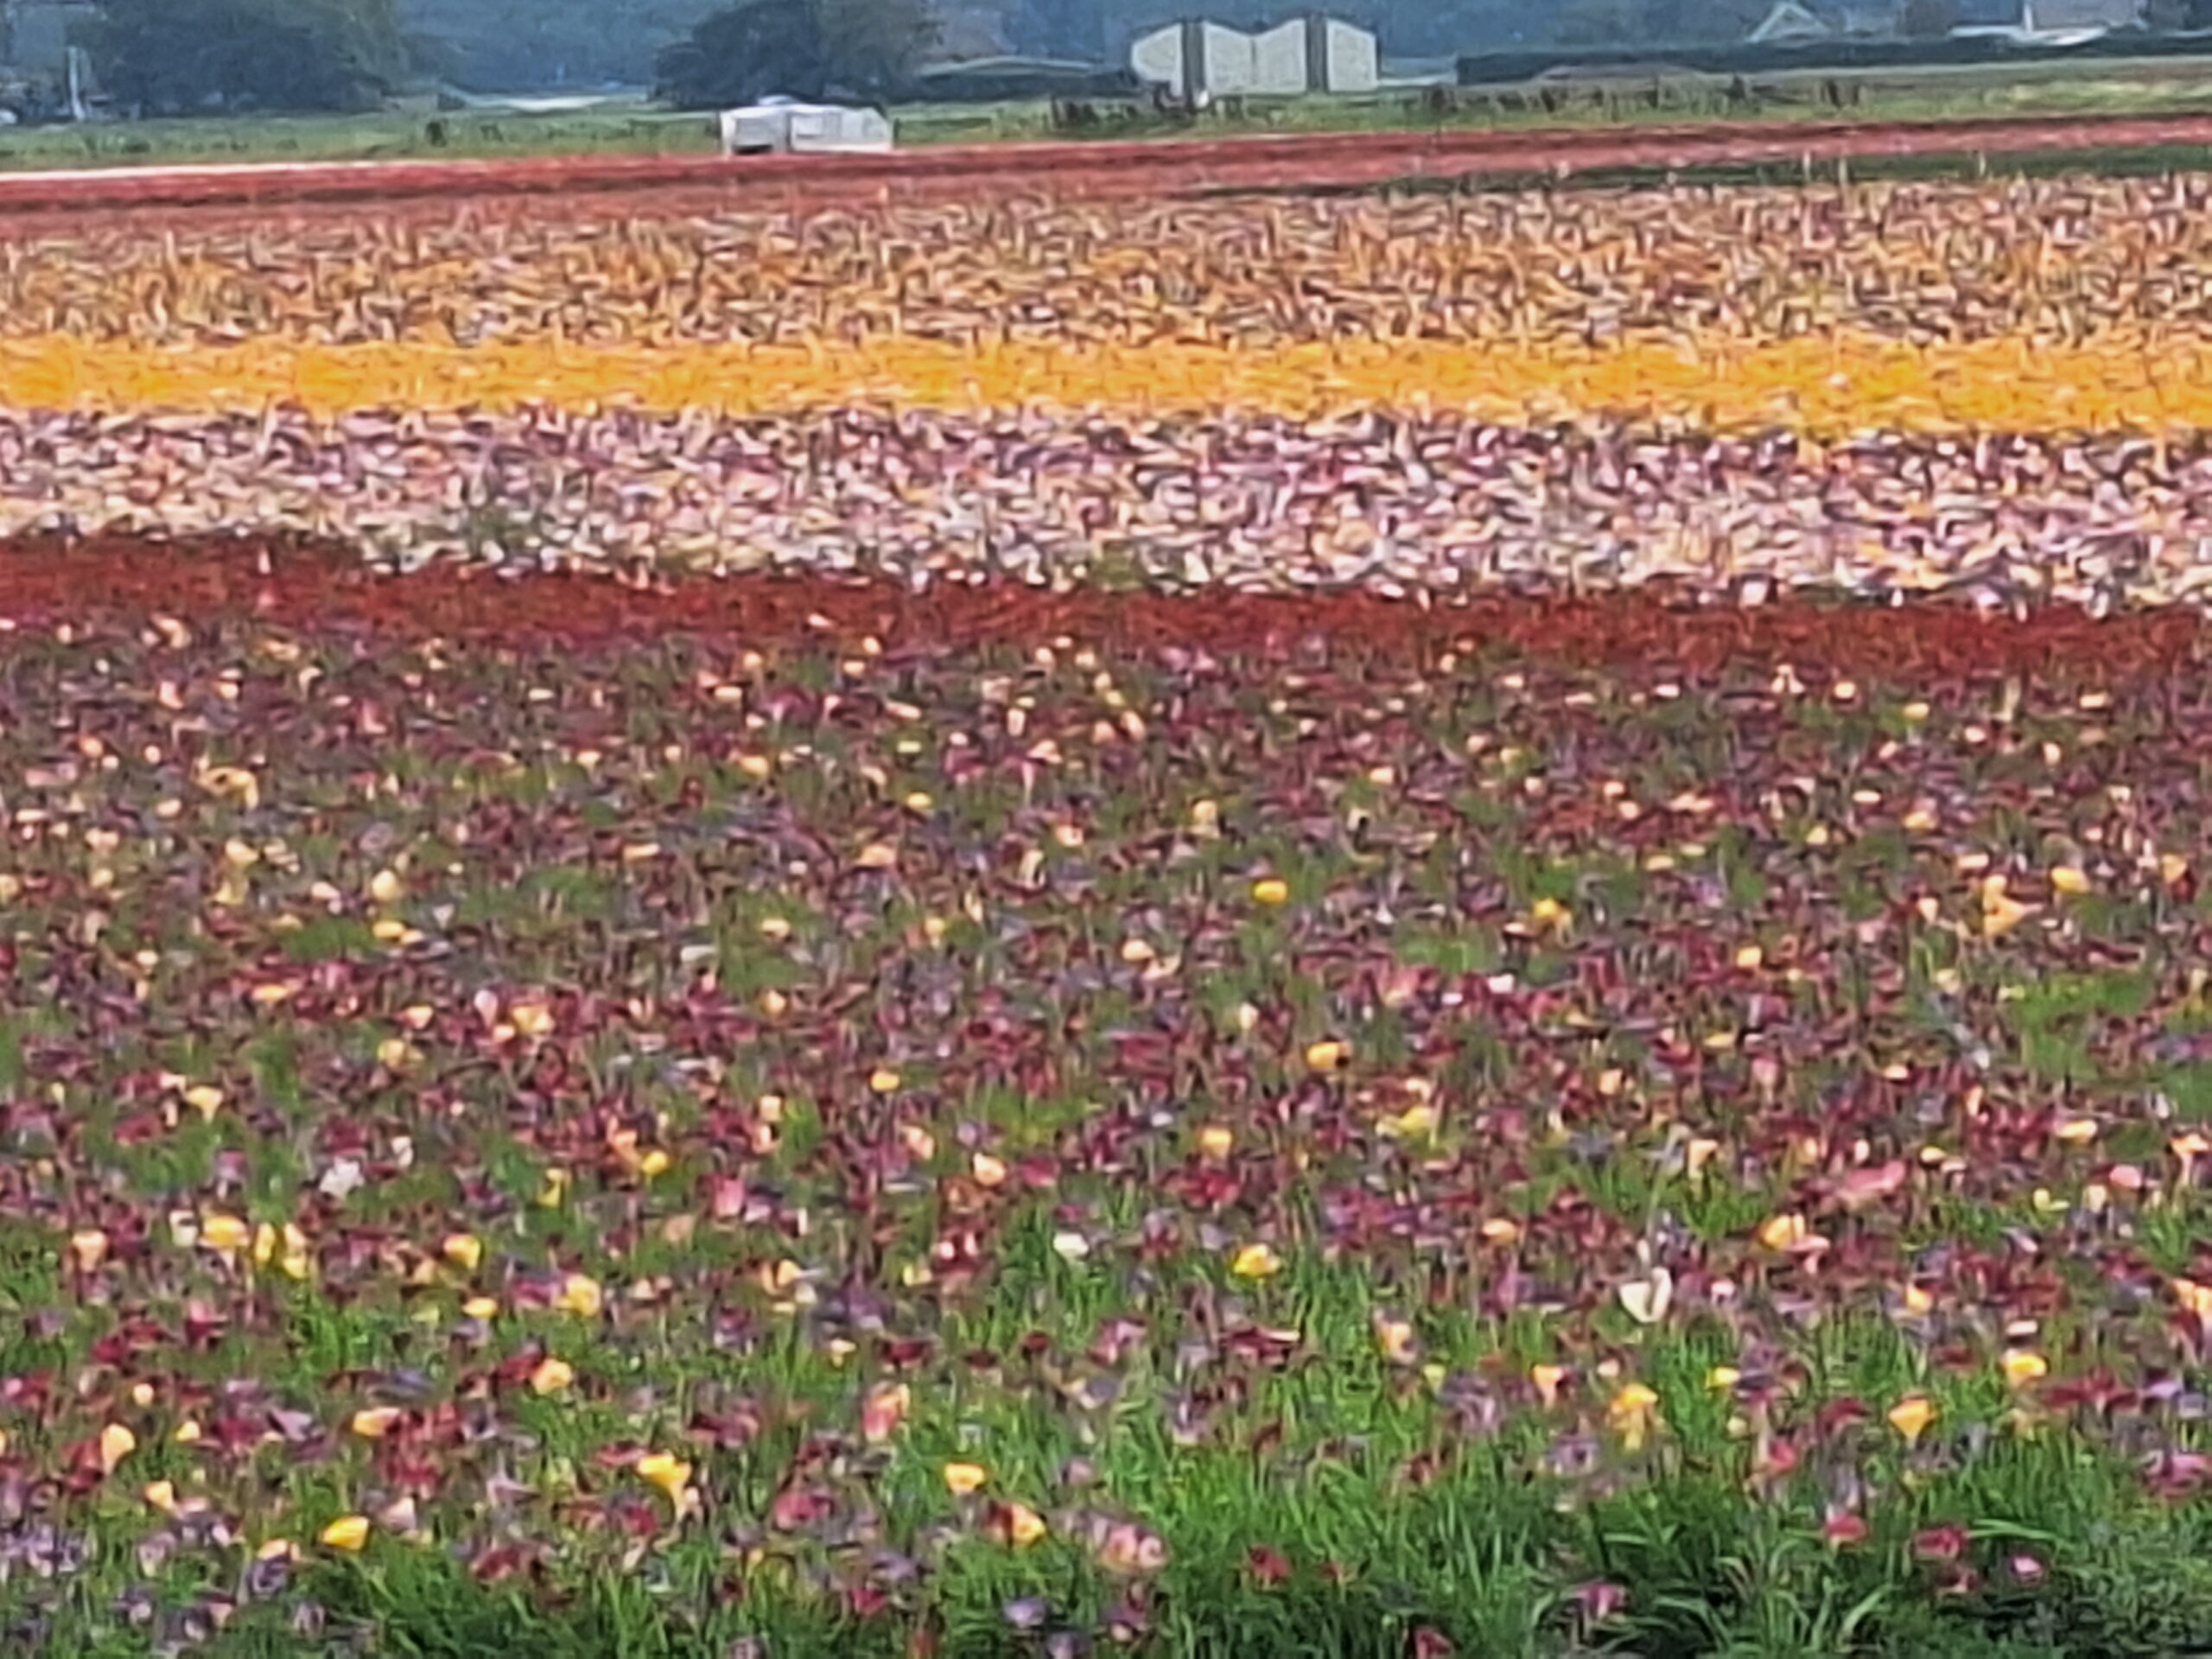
(1250, 925)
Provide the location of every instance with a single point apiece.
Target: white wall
(1158, 57)
(1231, 66)
(1355, 61)
(1279, 60)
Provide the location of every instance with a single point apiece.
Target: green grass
(390, 136)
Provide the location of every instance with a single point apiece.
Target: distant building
(1811, 22)
(784, 127)
(1012, 79)
(1790, 23)
(1314, 53)
(2032, 20)
(1805, 23)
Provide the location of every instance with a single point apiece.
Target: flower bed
(1049, 926)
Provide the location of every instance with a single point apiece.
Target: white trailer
(782, 129)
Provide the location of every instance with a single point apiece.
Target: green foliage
(516, 44)
(1610, 23)
(800, 49)
(184, 56)
(1928, 20)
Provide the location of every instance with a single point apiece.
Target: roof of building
(1008, 63)
(2087, 13)
(1791, 20)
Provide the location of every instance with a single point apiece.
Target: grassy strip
(642, 129)
(1342, 1562)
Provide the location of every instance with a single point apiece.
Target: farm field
(1065, 924)
(1676, 151)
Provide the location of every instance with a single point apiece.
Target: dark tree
(1929, 19)
(1654, 23)
(177, 56)
(801, 48)
(1680, 23)
(1059, 28)
(2169, 17)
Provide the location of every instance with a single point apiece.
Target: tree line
(171, 57)
(179, 56)
(185, 56)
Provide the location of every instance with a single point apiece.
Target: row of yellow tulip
(1827, 386)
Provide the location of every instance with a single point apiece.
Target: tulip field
(1409, 923)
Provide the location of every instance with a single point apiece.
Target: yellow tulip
(1327, 1055)
(672, 1474)
(225, 1233)
(1394, 1340)
(1024, 1526)
(963, 1478)
(1911, 1416)
(532, 1019)
(1631, 1414)
(1781, 1232)
(117, 1443)
(552, 1376)
(1256, 1261)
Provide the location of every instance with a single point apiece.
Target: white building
(2048, 22)
(782, 128)
(1805, 23)
(1312, 53)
